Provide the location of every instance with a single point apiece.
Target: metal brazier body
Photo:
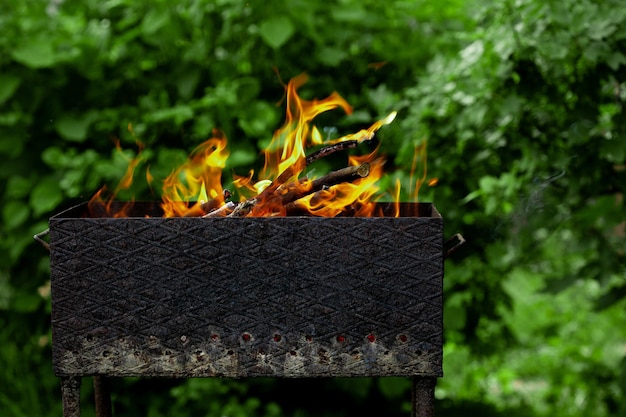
(238, 297)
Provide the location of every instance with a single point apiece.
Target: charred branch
(348, 174)
(331, 149)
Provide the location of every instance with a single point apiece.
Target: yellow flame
(366, 134)
(419, 157)
(196, 181)
(355, 198)
(102, 200)
(287, 148)
(397, 198)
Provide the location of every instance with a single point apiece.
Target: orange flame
(288, 145)
(99, 203)
(419, 157)
(195, 187)
(198, 179)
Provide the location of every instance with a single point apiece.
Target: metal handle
(460, 241)
(39, 238)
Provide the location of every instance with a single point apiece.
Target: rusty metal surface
(238, 297)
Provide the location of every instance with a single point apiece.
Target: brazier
(245, 297)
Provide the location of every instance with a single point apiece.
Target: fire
(290, 142)
(283, 186)
(199, 179)
(125, 183)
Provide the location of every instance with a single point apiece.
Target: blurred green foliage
(521, 103)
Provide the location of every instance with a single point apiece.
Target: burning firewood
(347, 174)
(276, 190)
(336, 147)
(278, 196)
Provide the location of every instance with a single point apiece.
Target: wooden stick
(337, 147)
(330, 149)
(244, 208)
(222, 211)
(347, 174)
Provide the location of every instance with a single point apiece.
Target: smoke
(535, 201)
(539, 211)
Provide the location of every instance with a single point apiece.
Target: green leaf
(615, 60)
(276, 31)
(187, 83)
(613, 150)
(9, 119)
(46, 196)
(26, 302)
(8, 85)
(35, 53)
(154, 20)
(258, 119)
(596, 50)
(331, 56)
(179, 114)
(352, 13)
(14, 214)
(600, 29)
(18, 187)
(241, 157)
(472, 53)
(54, 157)
(74, 128)
(488, 184)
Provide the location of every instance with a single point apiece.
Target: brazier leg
(423, 396)
(70, 394)
(102, 394)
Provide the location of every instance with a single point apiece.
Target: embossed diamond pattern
(173, 285)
